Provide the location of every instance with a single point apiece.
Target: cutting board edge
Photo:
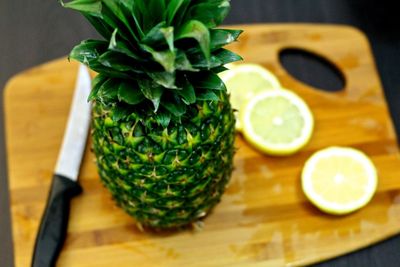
(350, 251)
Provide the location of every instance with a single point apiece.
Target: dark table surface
(34, 31)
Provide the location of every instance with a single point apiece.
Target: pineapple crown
(161, 54)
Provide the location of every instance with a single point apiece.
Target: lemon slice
(243, 81)
(278, 122)
(339, 180)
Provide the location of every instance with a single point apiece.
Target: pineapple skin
(166, 177)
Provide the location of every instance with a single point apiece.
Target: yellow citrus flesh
(277, 122)
(243, 81)
(339, 180)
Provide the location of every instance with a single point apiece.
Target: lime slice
(339, 180)
(243, 81)
(278, 122)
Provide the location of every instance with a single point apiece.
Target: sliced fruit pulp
(339, 175)
(278, 122)
(339, 180)
(243, 81)
(281, 120)
(248, 83)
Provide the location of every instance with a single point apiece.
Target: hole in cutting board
(312, 69)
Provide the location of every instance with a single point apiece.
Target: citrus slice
(339, 180)
(243, 81)
(278, 122)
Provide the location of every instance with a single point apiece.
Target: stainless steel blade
(74, 143)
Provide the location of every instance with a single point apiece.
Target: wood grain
(263, 219)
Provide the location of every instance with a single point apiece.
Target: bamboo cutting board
(263, 219)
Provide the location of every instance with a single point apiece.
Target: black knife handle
(54, 224)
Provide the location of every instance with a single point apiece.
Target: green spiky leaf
(117, 62)
(219, 69)
(226, 56)
(99, 25)
(210, 13)
(88, 51)
(198, 31)
(207, 95)
(172, 9)
(97, 83)
(163, 54)
(187, 93)
(165, 58)
(198, 61)
(165, 79)
(110, 72)
(136, 16)
(174, 105)
(176, 11)
(151, 91)
(122, 13)
(222, 37)
(129, 93)
(107, 92)
(183, 63)
(120, 112)
(90, 7)
(160, 34)
(121, 47)
(151, 12)
(207, 80)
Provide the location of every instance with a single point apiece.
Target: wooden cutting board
(264, 218)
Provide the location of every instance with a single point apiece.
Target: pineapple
(162, 125)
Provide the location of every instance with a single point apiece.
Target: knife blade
(65, 186)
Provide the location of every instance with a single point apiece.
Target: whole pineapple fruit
(163, 128)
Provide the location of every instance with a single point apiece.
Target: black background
(35, 31)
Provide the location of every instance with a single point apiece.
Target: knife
(64, 187)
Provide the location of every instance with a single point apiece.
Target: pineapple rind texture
(166, 177)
